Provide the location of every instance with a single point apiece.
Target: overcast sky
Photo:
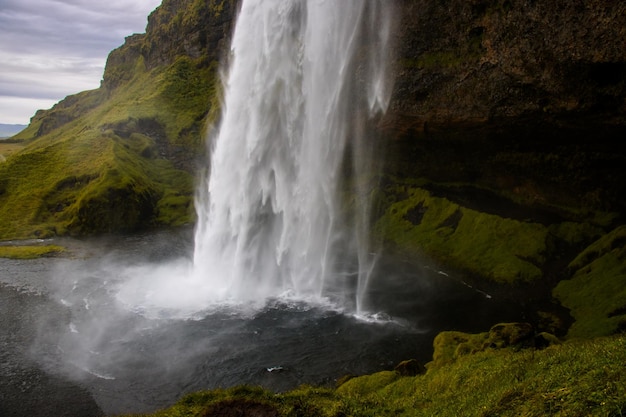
(52, 48)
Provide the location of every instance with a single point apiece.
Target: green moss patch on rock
(596, 293)
(449, 346)
(500, 249)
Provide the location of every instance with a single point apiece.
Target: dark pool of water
(69, 349)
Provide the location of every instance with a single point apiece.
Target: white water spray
(269, 215)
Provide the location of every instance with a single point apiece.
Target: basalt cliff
(503, 144)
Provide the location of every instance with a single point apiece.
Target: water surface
(67, 335)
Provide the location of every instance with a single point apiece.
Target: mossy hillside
(449, 346)
(46, 185)
(107, 186)
(28, 178)
(596, 293)
(500, 249)
(178, 97)
(567, 379)
(97, 173)
(7, 148)
(192, 14)
(67, 110)
(573, 378)
(192, 94)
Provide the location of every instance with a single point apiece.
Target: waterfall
(304, 77)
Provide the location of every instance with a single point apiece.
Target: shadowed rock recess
(503, 146)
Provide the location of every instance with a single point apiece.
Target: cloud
(13, 109)
(53, 48)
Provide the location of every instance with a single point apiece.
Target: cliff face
(493, 59)
(505, 150)
(198, 29)
(549, 77)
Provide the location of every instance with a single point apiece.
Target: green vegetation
(95, 162)
(596, 294)
(29, 252)
(449, 346)
(503, 250)
(569, 379)
(7, 148)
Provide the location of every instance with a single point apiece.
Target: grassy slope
(596, 293)
(501, 249)
(86, 176)
(571, 379)
(516, 252)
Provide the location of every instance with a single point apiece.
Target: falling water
(304, 78)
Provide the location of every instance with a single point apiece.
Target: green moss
(170, 207)
(503, 250)
(29, 252)
(575, 233)
(448, 346)
(368, 383)
(216, 7)
(98, 183)
(600, 247)
(188, 89)
(596, 294)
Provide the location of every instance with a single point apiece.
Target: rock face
(511, 117)
(526, 98)
(483, 60)
(202, 31)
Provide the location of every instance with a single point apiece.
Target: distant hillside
(123, 157)
(7, 130)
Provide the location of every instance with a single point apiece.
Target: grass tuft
(30, 252)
